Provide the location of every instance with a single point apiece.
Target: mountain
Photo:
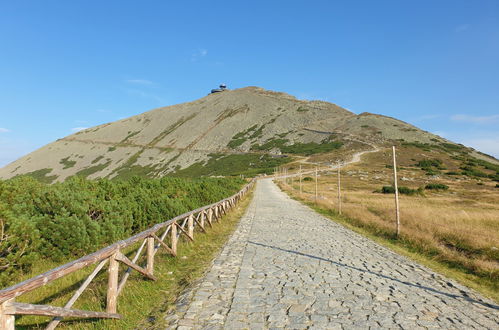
(243, 131)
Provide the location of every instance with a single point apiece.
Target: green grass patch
(234, 143)
(130, 135)
(231, 165)
(40, 175)
(302, 109)
(402, 190)
(170, 129)
(67, 163)
(92, 169)
(436, 186)
(97, 159)
(306, 149)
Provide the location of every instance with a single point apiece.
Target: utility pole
(395, 184)
(300, 180)
(339, 187)
(316, 185)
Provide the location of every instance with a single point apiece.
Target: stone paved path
(288, 267)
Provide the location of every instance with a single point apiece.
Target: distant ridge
(245, 121)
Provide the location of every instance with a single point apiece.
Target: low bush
(307, 178)
(402, 190)
(436, 186)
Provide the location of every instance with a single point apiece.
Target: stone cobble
(288, 267)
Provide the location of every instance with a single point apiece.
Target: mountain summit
(244, 127)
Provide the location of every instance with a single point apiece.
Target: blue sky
(65, 65)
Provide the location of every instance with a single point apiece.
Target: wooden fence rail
(164, 235)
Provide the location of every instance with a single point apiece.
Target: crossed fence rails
(152, 241)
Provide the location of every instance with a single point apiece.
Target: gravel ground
(288, 267)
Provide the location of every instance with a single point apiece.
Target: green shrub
(388, 190)
(402, 190)
(307, 178)
(67, 163)
(436, 186)
(232, 165)
(70, 219)
(427, 163)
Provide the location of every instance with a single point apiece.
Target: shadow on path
(450, 295)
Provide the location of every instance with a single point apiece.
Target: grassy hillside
(230, 127)
(449, 207)
(67, 220)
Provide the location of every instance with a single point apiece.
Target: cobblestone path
(288, 267)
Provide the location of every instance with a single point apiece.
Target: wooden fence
(163, 235)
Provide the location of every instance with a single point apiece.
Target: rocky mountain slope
(246, 128)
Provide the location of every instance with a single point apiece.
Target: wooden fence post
(112, 284)
(339, 188)
(300, 180)
(395, 184)
(190, 226)
(173, 236)
(7, 322)
(150, 255)
(316, 192)
(201, 220)
(210, 215)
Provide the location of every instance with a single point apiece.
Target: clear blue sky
(71, 64)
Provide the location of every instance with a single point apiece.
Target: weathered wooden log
(161, 239)
(185, 232)
(112, 284)
(128, 271)
(201, 225)
(123, 258)
(174, 238)
(201, 220)
(7, 321)
(190, 226)
(16, 308)
(210, 217)
(52, 324)
(163, 244)
(150, 255)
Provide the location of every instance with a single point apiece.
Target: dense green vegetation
(306, 149)
(431, 166)
(448, 147)
(470, 166)
(93, 169)
(436, 186)
(231, 165)
(251, 133)
(402, 190)
(73, 218)
(42, 175)
(67, 163)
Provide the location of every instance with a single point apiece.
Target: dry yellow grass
(458, 228)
